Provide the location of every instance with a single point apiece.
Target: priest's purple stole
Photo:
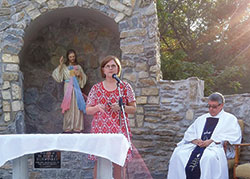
(192, 168)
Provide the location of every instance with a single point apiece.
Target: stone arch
(93, 36)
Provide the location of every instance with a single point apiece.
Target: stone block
(117, 5)
(5, 3)
(6, 85)
(154, 68)
(10, 76)
(196, 89)
(13, 40)
(133, 33)
(18, 16)
(152, 119)
(143, 66)
(189, 114)
(20, 25)
(150, 10)
(6, 117)
(34, 14)
(149, 91)
(151, 125)
(17, 105)
(130, 3)
(132, 122)
(102, 1)
(139, 110)
(119, 17)
(52, 4)
(5, 11)
(12, 67)
(131, 116)
(143, 74)
(139, 120)
(29, 8)
(34, 175)
(8, 58)
(143, 144)
(44, 9)
(127, 2)
(6, 94)
(153, 99)
(148, 82)
(164, 132)
(165, 100)
(128, 11)
(20, 6)
(71, 3)
(127, 63)
(16, 91)
(132, 49)
(141, 100)
(130, 40)
(6, 106)
(40, 1)
(4, 25)
(130, 76)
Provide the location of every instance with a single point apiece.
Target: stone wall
(164, 113)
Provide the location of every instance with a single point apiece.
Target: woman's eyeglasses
(110, 66)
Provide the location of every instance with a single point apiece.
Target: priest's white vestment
(213, 163)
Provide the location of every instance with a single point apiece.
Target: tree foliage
(208, 39)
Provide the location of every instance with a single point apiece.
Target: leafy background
(208, 39)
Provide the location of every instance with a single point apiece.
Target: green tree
(198, 38)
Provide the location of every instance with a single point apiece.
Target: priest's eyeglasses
(110, 66)
(213, 106)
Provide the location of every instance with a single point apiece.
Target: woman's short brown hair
(108, 59)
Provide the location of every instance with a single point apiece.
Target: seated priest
(200, 154)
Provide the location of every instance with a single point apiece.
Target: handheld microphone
(116, 78)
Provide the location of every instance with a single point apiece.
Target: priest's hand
(197, 142)
(206, 143)
(202, 143)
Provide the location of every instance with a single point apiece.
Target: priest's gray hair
(217, 97)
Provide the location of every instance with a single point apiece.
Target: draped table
(108, 147)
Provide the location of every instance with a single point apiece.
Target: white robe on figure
(213, 163)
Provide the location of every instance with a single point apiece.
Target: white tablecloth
(113, 147)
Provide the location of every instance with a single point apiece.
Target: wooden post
(104, 169)
(20, 168)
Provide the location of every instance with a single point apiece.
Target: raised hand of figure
(61, 60)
